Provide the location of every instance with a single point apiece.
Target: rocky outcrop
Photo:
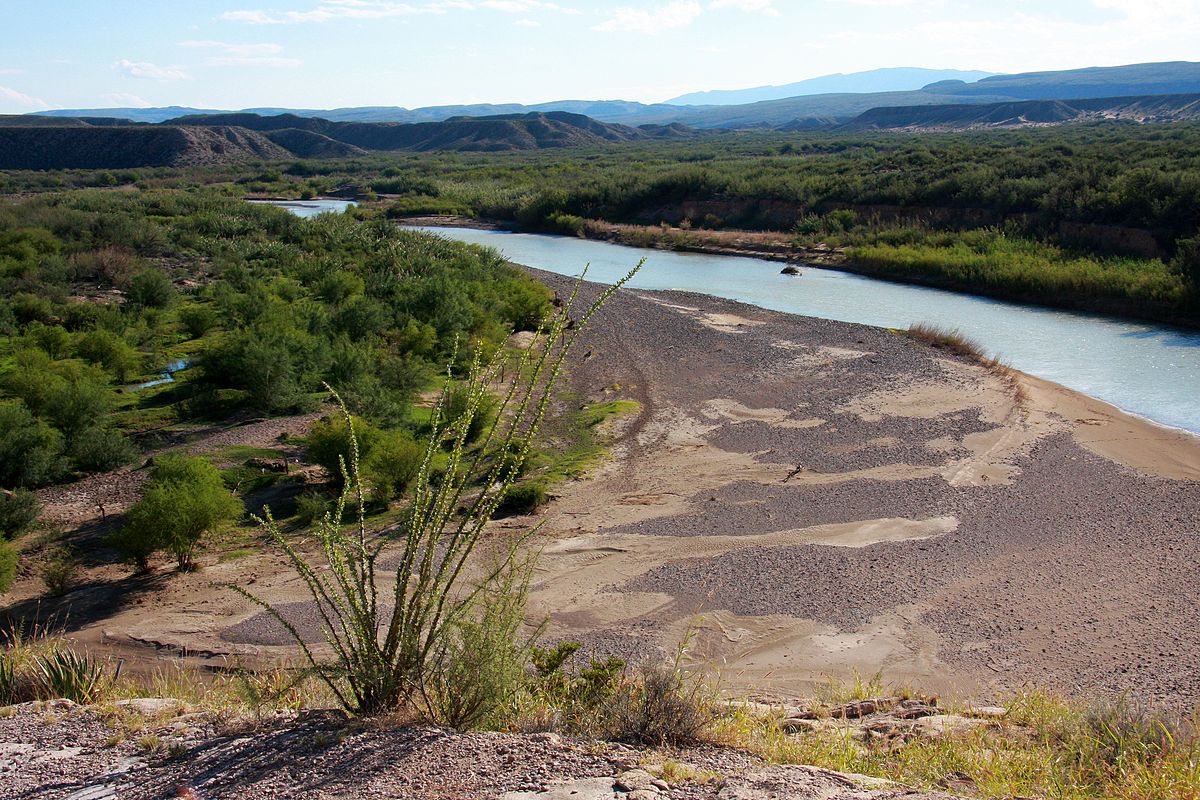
(123, 147)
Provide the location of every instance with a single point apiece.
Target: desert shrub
(457, 401)
(197, 320)
(150, 289)
(184, 500)
(577, 698)
(50, 339)
(10, 559)
(59, 570)
(27, 308)
(481, 663)
(106, 348)
(523, 498)
(330, 442)
(382, 659)
(31, 452)
(18, 511)
(75, 403)
(659, 705)
(392, 464)
(101, 449)
(310, 507)
(951, 339)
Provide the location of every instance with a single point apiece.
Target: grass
(586, 447)
(950, 339)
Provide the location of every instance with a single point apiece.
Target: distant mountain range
(104, 143)
(798, 111)
(892, 79)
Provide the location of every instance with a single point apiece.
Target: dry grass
(955, 341)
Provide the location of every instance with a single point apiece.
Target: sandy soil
(803, 498)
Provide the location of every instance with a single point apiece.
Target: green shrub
(31, 452)
(51, 339)
(59, 570)
(70, 675)
(10, 559)
(330, 443)
(101, 449)
(18, 511)
(383, 660)
(106, 348)
(197, 320)
(456, 403)
(310, 507)
(393, 463)
(184, 500)
(75, 404)
(524, 498)
(150, 289)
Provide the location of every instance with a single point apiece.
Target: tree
(31, 452)
(184, 500)
(151, 289)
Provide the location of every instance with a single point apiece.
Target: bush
(31, 452)
(310, 507)
(9, 561)
(524, 498)
(67, 674)
(659, 705)
(59, 570)
(51, 339)
(184, 500)
(18, 510)
(76, 404)
(101, 449)
(393, 463)
(330, 443)
(150, 289)
(197, 320)
(384, 660)
(106, 348)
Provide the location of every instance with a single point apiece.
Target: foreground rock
(58, 751)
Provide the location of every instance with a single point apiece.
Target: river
(1147, 369)
(1150, 370)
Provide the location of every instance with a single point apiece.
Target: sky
(232, 54)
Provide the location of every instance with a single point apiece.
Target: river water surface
(1150, 370)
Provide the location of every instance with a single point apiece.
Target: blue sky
(330, 53)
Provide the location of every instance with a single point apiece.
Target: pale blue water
(1150, 370)
(309, 208)
(167, 376)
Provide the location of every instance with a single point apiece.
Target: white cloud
(328, 10)
(11, 97)
(144, 69)
(753, 6)
(677, 14)
(260, 54)
(125, 100)
(527, 23)
(12, 71)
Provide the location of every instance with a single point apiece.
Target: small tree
(184, 500)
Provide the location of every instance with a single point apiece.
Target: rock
(789, 270)
(643, 794)
(940, 726)
(267, 464)
(585, 789)
(791, 782)
(634, 780)
(149, 706)
(987, 712)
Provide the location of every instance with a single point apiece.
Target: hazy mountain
(1024, 113)
(118, 147)
(892, 79)
(1177, 77)
(66, 142)
(1167, 77)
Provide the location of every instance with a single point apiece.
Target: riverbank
(784, 248)
(806, 497)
